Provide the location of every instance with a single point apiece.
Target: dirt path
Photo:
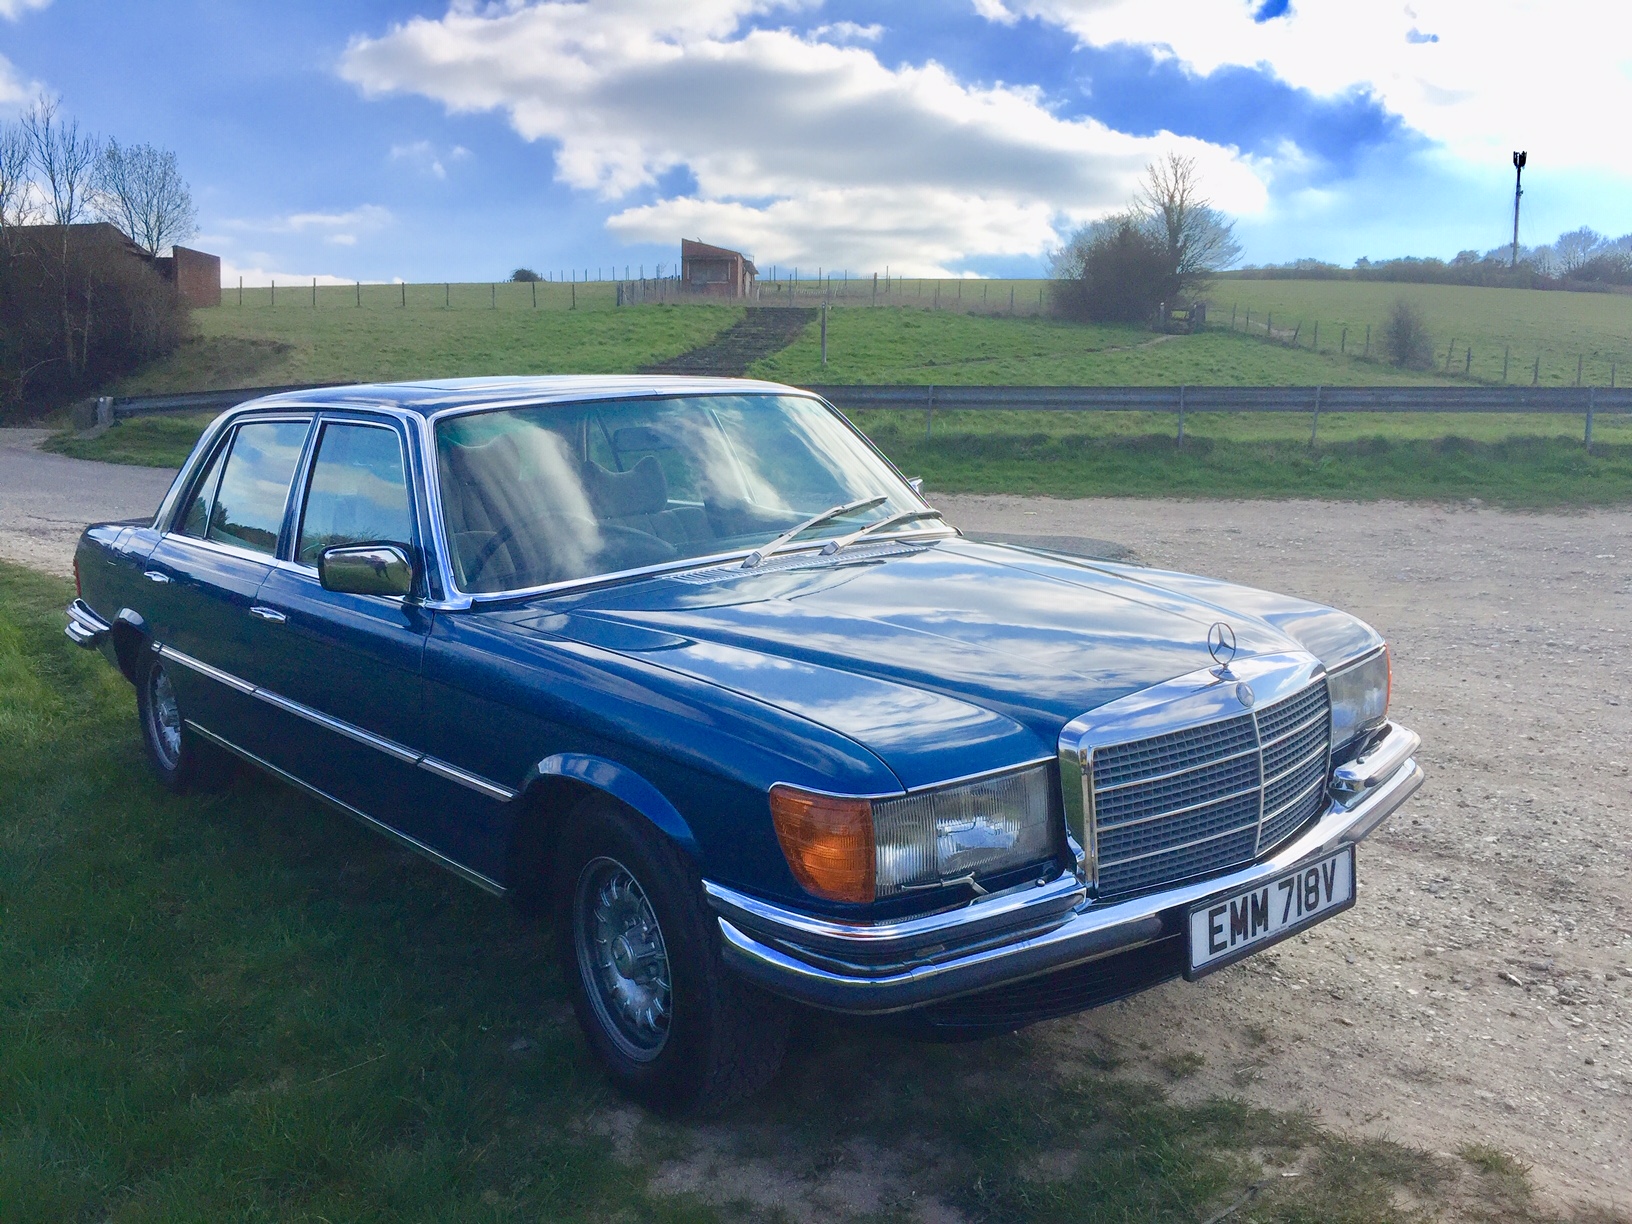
(1481, 989)
(46, 500)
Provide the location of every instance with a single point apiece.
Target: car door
(204, 572)
(342, 671)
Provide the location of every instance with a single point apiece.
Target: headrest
(643, 489)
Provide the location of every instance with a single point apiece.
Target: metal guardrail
(1583, 401)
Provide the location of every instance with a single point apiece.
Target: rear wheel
(181, 759)
(640, 953)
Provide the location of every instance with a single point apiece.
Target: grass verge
(239, 1006)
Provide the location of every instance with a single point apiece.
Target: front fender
(621, 783)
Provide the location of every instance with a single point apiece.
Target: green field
(1519, 460)
(240, 1006)
(1526, 323)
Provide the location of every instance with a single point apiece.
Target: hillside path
(46, 500)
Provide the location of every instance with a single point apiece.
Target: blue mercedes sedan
(689, 668)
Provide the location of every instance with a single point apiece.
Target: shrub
(1122, 275)
(78, 307)
(525, 274)
(1406, 342)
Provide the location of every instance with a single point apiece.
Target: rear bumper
(85, 628)
(1024, 932)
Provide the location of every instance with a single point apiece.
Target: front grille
(1207, 799)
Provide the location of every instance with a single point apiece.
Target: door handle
(268, 614)
(156, 576)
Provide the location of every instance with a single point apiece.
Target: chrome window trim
(379, 743)
(358, 419)
(457, 599)
(204, 450)
(378, 826)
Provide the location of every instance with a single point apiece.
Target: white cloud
(802, 150)
(423, 156)
(1482, 79)
(260, 275)
(365, 217)
(848, 31)
(11, 10)
(15, 92)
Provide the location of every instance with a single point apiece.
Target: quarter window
(358, 493)
(248, 510)
(196, 522)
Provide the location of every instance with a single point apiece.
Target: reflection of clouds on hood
(803, 148)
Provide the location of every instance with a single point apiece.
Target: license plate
(1224, 929)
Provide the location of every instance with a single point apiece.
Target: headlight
(1359, 692)
(859, 850)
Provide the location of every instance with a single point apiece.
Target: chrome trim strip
(1200, 841)
(1295, 800)
(1177, 773)
(1094, 930)
(454, 774)
(391, 748)
(204, 669)
(396, 835)
(1180, 811)
(979, 913)
(1303, 726)
(1299, 764)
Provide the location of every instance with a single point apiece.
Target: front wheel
(180, 758)
(640, 953)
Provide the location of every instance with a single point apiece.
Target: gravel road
(46, 500)
(1481, 989)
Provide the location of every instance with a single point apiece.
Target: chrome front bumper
(1023, 932)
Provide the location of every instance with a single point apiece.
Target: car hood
(944, 660)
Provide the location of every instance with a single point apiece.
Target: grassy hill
(1527, 323)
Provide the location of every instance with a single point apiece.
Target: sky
(425, 140)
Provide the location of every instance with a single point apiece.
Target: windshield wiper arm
(754, 558)
(895, 520)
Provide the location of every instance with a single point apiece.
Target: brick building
(195, 274)
(716, 271)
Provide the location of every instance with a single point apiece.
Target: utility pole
(1519, 159)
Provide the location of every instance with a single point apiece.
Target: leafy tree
(525, 274)
(1117, 271)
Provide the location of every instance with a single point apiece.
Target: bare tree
(1574, 250)
(16, 194)
(140, 189)
(64, 159)
(1199, 239)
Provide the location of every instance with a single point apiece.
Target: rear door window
(249, 506)
(358, 492)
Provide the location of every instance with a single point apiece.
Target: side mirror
(917, 483)
(366, 569)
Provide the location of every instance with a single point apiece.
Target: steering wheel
(501, 537)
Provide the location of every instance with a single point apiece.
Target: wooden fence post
(1535, 374)
(929, 418)
(1314, 428)
(1592, 395)
(1181, 416)
(1314, 339)
(1368, 340)
(1507, 351)
(1343, 344)
(824, 333)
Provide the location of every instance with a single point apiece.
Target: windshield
(559, 492)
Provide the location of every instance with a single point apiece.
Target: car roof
(433, 395)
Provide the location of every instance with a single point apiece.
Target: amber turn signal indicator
(828, 842)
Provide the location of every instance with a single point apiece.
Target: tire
(180, 758)
(673, 1027)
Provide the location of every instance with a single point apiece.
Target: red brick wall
(198, 277)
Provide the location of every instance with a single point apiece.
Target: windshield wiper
(754, 558)
(895, 520)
